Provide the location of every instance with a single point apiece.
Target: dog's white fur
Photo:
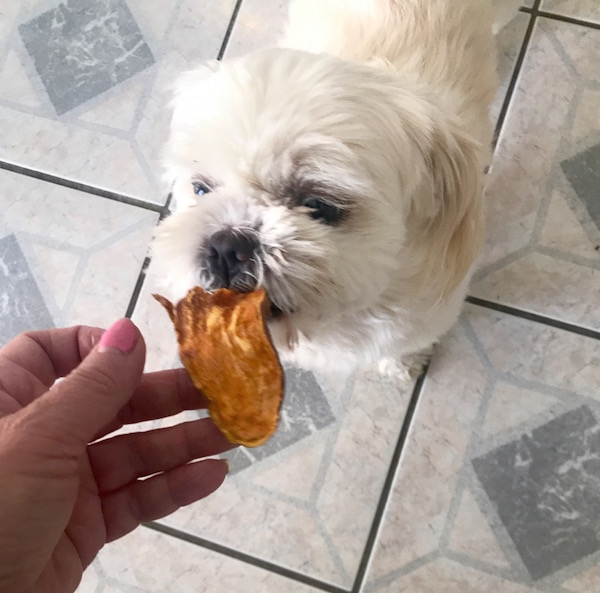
(382, 104)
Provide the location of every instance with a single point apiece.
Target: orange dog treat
(226, 348)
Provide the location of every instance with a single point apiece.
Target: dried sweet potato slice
(226, 348)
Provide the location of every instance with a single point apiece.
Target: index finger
(160, 395)
(51, 354)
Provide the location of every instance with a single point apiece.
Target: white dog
(342, 172)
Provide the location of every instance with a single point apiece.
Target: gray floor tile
(58, 249)
(544, 486)
(583, 173)
(588, 10)
(85, 87)
(496, 491)
(541, 252)
(149, 562)
(22, 305)
(498, 488)
(307, 498)
(81, 50)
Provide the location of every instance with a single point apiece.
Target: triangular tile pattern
(511, 405)
(585, 582)
(117, 109)
(295, 484)
(583, 173)
(59, 268)
(22, 306)
(473, 536)
(15, 84)
(563, 230)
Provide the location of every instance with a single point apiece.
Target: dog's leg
(406, 367)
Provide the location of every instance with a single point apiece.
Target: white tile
(71, 242)
(310, 505)
(509, 41)
(588, 10)
(97, 142)
(151, 562)
(540, 253)
(440, 531)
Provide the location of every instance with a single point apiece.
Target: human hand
(62, 498)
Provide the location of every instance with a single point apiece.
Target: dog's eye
(200, 188)
(322, 210)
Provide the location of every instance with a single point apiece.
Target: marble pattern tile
(426, 481)
(155, 325)
(535, 258)
(81, 50)
(58, 252)
(472, 536)
(509, 41)
(498, 386)
(452, 577)
(149, 562)
(512, 405)
(85, 88)
(21, 303)
(492, 503)
(588, 10)
(545, 488)
(583, 173)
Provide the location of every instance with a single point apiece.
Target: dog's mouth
(276, 312)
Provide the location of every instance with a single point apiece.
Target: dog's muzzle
(231, 259)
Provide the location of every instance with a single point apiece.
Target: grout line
(387, 486)
(516, 73)
(78, 186)
(229, 31)
(569, 19)
(246, 558)
(562, 17)
(536, 5)
(135, 295)
(542, 319)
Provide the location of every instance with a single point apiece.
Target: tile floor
(484, 476)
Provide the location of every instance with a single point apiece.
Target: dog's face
(299, 173)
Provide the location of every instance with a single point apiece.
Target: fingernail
(228, 464)
(120, 336)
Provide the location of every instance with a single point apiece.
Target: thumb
(79, 406)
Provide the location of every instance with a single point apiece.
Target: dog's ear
(450, 206)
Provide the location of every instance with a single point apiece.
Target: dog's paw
(406, 368)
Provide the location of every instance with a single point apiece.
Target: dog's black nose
(230, 257)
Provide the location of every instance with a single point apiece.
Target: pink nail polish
(120, 336)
